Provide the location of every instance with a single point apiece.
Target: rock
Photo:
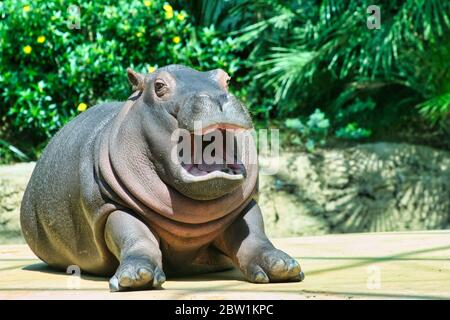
(13, 181)
(370, 187)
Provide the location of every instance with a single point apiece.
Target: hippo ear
(136, 80)
(221, 77)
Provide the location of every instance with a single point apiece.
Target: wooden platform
(410, 265)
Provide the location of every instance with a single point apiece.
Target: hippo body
(107, 196)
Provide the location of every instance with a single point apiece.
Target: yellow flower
(27, 49)
(147, 3)
(41, 39)
(176, 39)
(139, 34)
(151, 69)
(167, 7)
(180, 16)
(26, 8)
(169, 11)
(82, 107)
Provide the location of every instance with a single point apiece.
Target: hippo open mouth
(214, 154)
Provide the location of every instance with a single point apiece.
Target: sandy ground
(406, 265)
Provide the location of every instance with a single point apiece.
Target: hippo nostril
(197, 108)
(223, 98)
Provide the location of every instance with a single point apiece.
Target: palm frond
(285, 66)
(436, 108)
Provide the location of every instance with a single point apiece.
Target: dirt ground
(372, 187)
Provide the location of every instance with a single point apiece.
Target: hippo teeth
(203, 168)
(229, 159)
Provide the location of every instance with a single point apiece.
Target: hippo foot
(137, 273)
(273, 266)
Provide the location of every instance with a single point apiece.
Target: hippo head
(180, 113)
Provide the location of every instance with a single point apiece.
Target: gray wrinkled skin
(106, 196)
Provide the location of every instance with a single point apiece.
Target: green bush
(353, 132)
(50, 72)
(311, 134)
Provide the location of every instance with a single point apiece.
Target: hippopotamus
(107, 195)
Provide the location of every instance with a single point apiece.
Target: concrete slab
(407, 265)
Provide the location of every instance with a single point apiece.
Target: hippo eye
(160, 88)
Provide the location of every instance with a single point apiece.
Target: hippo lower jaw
(204, 171)
(217, 179)
(193, 173)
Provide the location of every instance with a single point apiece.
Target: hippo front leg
(137, 250)
(246, 243)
